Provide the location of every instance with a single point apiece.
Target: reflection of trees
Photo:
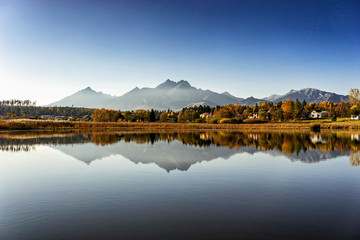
(355, 153)
(17, 148)
(355, 158)
(27, 143)
(104, 139)
(287, 142)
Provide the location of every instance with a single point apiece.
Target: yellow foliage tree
(354, 95)
(181, 116)
(164, 117)
(105, 115)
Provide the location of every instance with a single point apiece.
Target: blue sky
(50, 49)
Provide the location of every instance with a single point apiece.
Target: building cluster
(52, 117)
(63, 118)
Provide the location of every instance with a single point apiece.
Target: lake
(179, 185)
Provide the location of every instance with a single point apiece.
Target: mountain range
(309, 95)
(177, 95)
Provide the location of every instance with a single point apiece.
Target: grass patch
(228, 121)
(212, 123)
(253, 121)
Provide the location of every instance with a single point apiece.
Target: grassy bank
(59, 125)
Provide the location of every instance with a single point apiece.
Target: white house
(355, 117)
(255, 115)
(205, 115)
(319, 114)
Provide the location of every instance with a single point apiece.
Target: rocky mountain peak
(167, 84)
(88, 89)
(183, 84)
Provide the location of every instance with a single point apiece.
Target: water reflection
(179, 150)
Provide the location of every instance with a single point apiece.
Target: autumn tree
(181, 116)
(342, 109)
(245, 114)
(354, 96)
(263, 114)
(127, 116)
(227, 111)
(164, 117)
(141, 115)
(105, 115)
(188, 115)
(354, 110)
(288, 109)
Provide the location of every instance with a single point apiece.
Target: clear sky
(51, 49)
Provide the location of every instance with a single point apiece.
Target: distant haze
(50, 49)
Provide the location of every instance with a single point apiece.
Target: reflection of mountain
(310, 156)
(175, 155)
(167, 156)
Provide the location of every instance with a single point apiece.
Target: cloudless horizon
(51, 49)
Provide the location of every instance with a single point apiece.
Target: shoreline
(25, 124)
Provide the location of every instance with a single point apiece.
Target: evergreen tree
(152, 116)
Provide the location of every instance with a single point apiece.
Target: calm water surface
(179, 185)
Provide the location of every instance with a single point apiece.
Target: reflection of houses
(319, 114)
(355, 137)
(355, 117)
(205, 136)
(316, 138)
(254, 136)
(205, 115)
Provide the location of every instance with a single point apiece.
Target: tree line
(235, 113)
(17, 102)
(31, 111)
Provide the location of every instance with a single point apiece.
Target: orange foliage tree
(288, 109)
